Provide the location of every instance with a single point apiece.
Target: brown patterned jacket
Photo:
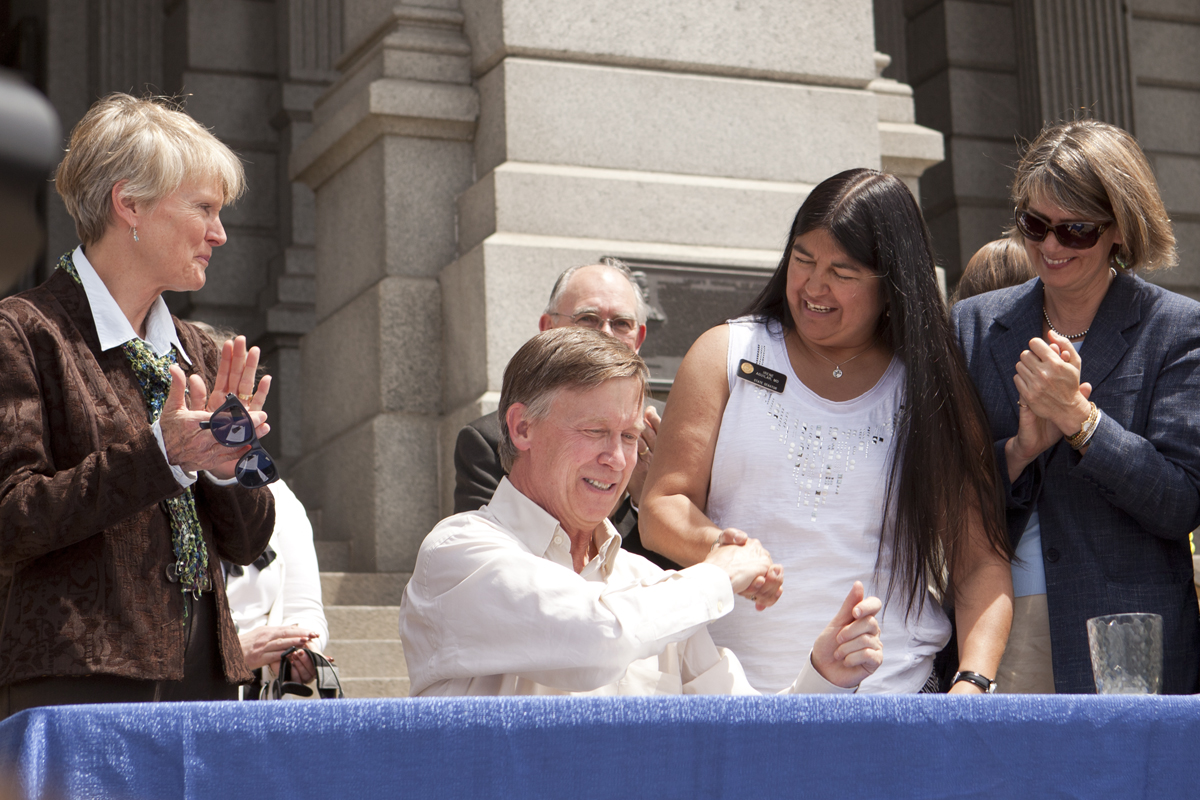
(84, 535)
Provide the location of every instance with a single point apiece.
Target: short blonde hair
(1098, 172)
(153, 146)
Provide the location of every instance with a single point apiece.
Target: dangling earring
(1122, 262)
(135, 236)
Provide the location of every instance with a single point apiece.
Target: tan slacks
(1027, 666)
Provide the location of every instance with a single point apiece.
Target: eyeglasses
(232, 426)
(620, 326)
(1075, 235)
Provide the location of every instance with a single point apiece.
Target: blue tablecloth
(1022, 747)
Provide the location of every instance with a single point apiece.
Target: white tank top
(808, 477)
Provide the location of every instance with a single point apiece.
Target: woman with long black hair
(835, 422)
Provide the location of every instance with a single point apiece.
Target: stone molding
(409, 77)
(906, 149)
(814, 42)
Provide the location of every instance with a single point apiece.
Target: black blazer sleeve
(477, 470)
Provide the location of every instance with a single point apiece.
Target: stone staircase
(363, 611)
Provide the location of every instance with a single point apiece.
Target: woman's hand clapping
(1053, 402)
(188, 404)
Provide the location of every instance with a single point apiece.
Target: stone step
(363, 622)
(363, 588)
(333, 556)
(375, 687)
(368, 658)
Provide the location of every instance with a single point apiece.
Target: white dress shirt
(495, 607)
(288, 590)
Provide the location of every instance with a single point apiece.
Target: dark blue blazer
(1115, 521)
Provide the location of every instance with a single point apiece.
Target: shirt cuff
(219, 481)
(724, 676)
(809, 681)
(182, 476)
(719, 598)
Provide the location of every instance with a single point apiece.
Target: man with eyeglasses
(604, 297)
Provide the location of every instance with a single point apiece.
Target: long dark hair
(944, 470)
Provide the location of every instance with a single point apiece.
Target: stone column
(962, 66)
(309, 42)
(126, 47)
(389, 153)
(67, 87)
(94, 47)
(906, 149)
(1073, 61)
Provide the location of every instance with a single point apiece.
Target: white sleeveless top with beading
(808, 477)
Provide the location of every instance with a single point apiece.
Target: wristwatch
(987, 684)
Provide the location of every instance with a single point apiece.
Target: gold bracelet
(1086, 429)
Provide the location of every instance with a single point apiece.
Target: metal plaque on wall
(685, 300)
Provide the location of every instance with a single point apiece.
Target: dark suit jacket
(477, 473)
(84, 536)
(1115, 521)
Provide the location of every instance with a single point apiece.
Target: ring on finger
(245, 398)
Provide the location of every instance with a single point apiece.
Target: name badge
(759, 375)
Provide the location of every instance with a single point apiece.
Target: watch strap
(987, 684)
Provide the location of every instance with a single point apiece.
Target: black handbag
(283, 687)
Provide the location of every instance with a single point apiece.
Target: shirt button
(1052, 555)
(720, 605)
(558, 540)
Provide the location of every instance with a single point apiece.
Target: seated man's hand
(749, 567)
(849, 650)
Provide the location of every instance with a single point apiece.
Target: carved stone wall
(126, 46)
(1073, 61)
(389, 153)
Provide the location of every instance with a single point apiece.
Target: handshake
(847, 650)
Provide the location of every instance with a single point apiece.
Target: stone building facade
(419, 173)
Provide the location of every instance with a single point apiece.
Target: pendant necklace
(837, 367)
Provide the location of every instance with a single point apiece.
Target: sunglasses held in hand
(232, 426)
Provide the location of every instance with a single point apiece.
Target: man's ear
(545, 322)
(518, 426)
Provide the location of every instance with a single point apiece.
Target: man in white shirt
(532, 594)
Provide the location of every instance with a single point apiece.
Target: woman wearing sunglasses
(116, 505)
(1090, 377)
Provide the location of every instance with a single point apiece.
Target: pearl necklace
(1113, 274)
(1069, 337)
